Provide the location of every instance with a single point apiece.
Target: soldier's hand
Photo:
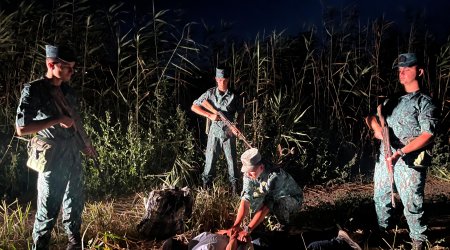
(223, 231)
(214, 117)
(90, 152)
(393, 159)
(243, 236)
(235, 130)
(234, 231)
(377, 134)
(372, 123)
(66, 122)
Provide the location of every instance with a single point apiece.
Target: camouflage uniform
(407, 118)
(219, 138)
(61, 181)
(276, 189)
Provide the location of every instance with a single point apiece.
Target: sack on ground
(166, 213)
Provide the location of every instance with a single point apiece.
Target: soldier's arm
(203, 112)
(372, 123)
(256, 220)
(244, 208)
(419, 142)
(36, 126)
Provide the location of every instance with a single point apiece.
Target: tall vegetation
(139, 71)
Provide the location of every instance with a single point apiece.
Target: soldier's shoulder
(426, 97)
(211, 90)
(36, 84)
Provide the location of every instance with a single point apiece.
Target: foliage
(214, 209)
(441, 158)
(138, 72)
(133, 159)
(15, 225)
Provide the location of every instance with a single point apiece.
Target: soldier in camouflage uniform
(266, 188)
(219, 137)
(412, 121)
(60, 171)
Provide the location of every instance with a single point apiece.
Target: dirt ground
(350, 207)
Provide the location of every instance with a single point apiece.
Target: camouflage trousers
(214, 147)
(286, 208)
(60, 184)
(410, 185)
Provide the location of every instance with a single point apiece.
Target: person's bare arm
(244, 208)
(373, 124)
(419, 142)
(256, 220)
(36, 126)
(203, 112)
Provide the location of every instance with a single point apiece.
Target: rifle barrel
(387, 151)
(227, 122)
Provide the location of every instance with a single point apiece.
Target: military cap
(222, 72)
(406, 60)
(250, 160)
(63, 53)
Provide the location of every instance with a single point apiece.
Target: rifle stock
(387, 151)
(64, 108)
(227, 122)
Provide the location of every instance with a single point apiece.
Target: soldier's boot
(42, 242)
(74, 242)
(207, 185)
(345, 237)
(234, 190)
(417, 245)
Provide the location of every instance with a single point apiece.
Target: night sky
(248, 17)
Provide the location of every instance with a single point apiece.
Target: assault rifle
(64, 108)
(387, 151)
(227, 122)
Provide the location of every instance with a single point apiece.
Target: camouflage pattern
(412, 115)
(61, 182)
(218, 137)
(276, 189)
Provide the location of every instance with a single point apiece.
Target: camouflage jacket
(228, 103)
(273, 184)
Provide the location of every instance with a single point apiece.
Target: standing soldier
(411, 119)
(219, 136)
(54, 151)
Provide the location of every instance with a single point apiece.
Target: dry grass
(112, 223)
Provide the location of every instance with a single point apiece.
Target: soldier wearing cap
(266, 188)
(219, 137)
(58, 155)
(412, 120)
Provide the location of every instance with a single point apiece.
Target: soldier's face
(255, 173)
(407, 74)
(63, 70)
(222, 83)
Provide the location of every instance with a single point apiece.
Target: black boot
(207, 186)
(234, 190)
(417, 245)
(74, 242)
